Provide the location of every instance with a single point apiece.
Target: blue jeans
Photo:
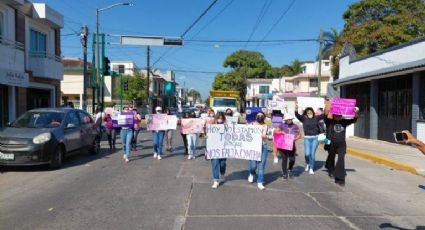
(261, 165)
(218, 165)
(157, 139)
(310, 147)
(126, 137)
(191, 143)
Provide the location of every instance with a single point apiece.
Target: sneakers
(276, 160)
(250, 178)
(126, 159)
(215, 185)
(311, 172)
(190, 157)
(159, 157)
(307, 167)
(261, 186)
(285, 176)
(155, 155)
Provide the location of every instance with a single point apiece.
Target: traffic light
(168, 87)
(106, 67)
(126, 85)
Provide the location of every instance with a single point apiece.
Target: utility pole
(84, 33)
(148, 70)
(319, 76)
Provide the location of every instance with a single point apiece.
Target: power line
(260, 18)
(277, 21)
(213, 19)
(199, 18)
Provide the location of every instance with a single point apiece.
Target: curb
(383, 161)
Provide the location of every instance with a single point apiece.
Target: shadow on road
(391, 226)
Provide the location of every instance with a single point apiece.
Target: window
(38, 43)
(314, 83)
(121, 69)
(264, 89)
(326, 64)
(84, 118)
(73, 119)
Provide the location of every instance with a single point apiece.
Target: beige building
(30, 60)
(307, 81)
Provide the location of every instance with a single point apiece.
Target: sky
(196, 63)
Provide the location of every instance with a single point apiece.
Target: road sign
(150, 40)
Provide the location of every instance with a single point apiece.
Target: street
(103, 192)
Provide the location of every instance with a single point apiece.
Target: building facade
(260, 91)
(308, 81)
(389, 87)
(30, 60)
(72, 85)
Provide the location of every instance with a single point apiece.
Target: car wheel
(57, 158)
(95, 147)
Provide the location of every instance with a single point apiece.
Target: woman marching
(218, 165)
(192, 139)
(136, 129)
(311, 128)
(126, 135)
(185, 116)
(336, 127)
(288, 127)
(157, 138)
(261, 164)
(168, 134)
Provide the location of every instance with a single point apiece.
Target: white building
(389, 87)
(307, 81)
(30, 60)
(260, 91)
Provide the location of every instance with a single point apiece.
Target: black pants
(185, 143)
(339, 169)
(287, 154)
(112, 136)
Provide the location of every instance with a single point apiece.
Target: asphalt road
(103, 192)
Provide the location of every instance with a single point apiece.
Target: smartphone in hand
(400, 137)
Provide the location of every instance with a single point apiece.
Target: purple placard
(126, 119)
(343, 106)
(276, 121)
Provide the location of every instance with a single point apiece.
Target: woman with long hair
(261, 164)
(168, 134)
(311, 126)
(218, 165)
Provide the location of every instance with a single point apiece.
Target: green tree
(330, 38)
(293, 69)
(195, 95)
(373, 25)
(136, 88)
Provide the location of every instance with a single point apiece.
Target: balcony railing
(12, 44)
(45, 55)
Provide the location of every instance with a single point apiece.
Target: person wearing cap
(336, 127)
(288, 127)
(157, 138)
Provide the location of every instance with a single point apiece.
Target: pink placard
(209, 120)
(284, 141)
(343, 106)
(192, 125)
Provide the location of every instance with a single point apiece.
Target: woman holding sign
(218, 165)
(261, 164)
(311, 128)
(126, 135)
(192, 139)
(169, 134)
(157, 138)
(288, 128)
(185, 116)
(336, 133)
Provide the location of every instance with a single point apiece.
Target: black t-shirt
(310, 125)
(335, 130)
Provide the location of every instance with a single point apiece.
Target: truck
(221, 100)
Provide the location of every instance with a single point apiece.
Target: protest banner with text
(156, 122)
(313, 102)
(192, 125)
(238, 141)
(343, 106)
(125, 119)
(284, 141)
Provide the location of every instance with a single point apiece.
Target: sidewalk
(401, 157)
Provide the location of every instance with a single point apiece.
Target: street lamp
(98, 10)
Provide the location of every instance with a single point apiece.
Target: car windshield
(224, 102)
(39, 120)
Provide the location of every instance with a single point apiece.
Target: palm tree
(330, 38)
(293, 69)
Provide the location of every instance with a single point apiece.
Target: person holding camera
(411, 140)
